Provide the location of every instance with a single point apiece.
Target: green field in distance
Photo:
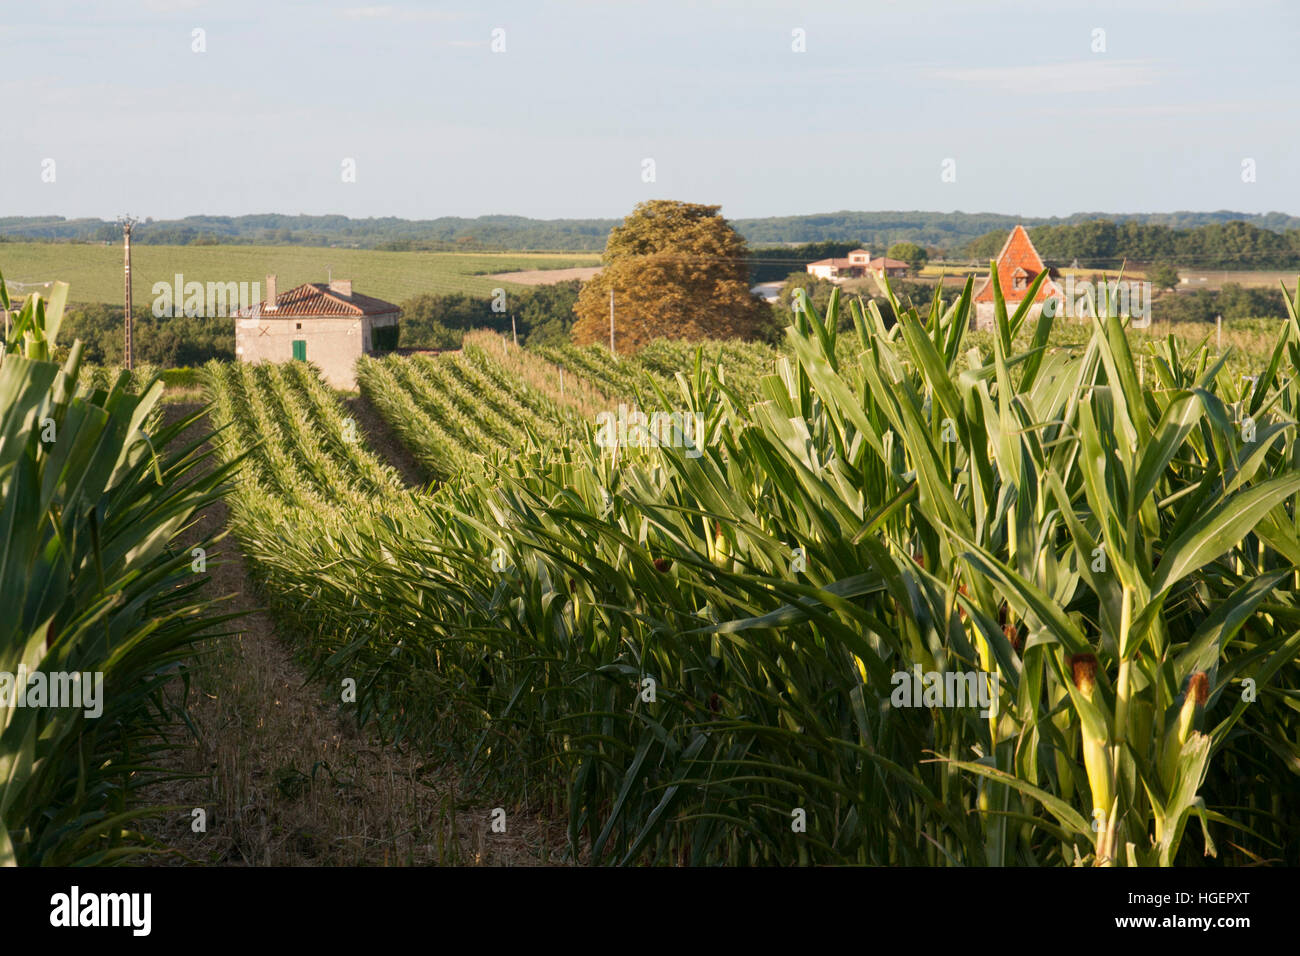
(95, 271)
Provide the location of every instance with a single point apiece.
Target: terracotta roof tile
(1018, 255)
(880, 262)
(317, 298)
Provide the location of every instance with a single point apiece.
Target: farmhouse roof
(880, 262)
(1018, 255)
(317, 298)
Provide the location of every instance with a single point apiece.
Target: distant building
(1018, 266)
(856, 265)
(324, 323)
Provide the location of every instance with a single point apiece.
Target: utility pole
(127, 222)
(611, 323)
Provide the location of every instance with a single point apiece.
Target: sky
(552, 108)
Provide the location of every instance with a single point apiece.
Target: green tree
(543, 315)
(1162, 275)
(546, 312)
(987, 246)
(678, 270)
(440, 321)
(909, 252)
(819, 293)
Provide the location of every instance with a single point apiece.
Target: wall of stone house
(333, 344)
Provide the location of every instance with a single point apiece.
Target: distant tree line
(1232, 301)
(166, 342)
(952, 232)
(543, 315)
(446, 233)
(1103, 244)
(979, 234)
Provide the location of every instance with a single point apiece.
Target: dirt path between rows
(384, 443)
(284, 779)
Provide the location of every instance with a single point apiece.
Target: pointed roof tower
(1018, 265)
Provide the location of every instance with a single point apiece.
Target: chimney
(272, 299)
(341, 286)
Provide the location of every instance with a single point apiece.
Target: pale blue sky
(559, 123)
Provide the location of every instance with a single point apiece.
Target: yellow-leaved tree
(678, 271)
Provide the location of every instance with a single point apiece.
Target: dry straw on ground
(286, 779)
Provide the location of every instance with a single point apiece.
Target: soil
(283, 778)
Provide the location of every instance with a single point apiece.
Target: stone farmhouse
(856, 265)
(1018, 265)
(324, 323)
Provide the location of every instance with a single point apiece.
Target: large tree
(1162, 275)
(678, 270)
(911, 253)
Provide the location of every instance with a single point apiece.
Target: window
(1021, 281)
(300, 350)
(298, 326)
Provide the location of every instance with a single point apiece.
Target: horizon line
(931, 212)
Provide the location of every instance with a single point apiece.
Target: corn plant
(693, 647)
(92, 583)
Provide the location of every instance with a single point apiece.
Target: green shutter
(300, 349)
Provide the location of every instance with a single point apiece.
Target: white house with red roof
(324, 323)
(856, 265)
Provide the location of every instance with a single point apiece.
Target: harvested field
(546, 276)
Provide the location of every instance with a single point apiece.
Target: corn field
(94, 494)
(694, 648)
